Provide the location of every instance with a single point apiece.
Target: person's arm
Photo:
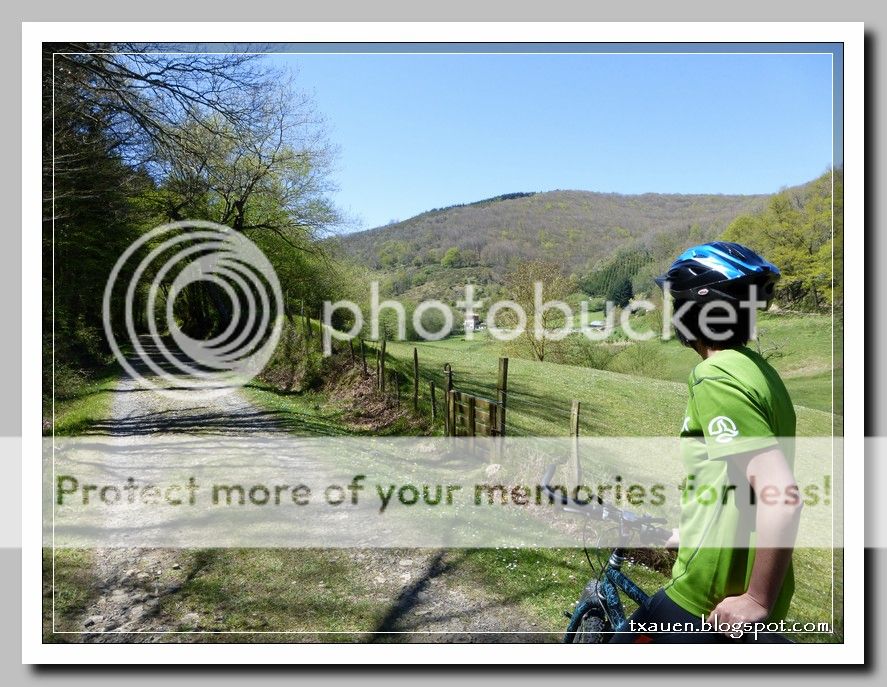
(778, 509)
(674, 541)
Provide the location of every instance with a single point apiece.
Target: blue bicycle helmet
(719, 271)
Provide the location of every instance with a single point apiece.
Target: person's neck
(706, 351)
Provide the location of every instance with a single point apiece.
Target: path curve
(425, 600)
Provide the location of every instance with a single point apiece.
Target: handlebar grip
(644, 525)
(549, 473)
(659, 535)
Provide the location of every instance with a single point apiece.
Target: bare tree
(520, 285)
(134, 134)
(143, 94)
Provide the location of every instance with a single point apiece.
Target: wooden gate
(472, 416)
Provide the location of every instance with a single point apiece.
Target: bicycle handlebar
(595, 508)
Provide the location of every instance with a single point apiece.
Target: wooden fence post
(378, 368)
(502, 393)
(574, 442)
(382, 366)
(433, 403)
(472, 421)
(415, 378)
(448, 373)
(574, 418)
(453, 395)
(472, 416)
(363, 357)
(495, 437)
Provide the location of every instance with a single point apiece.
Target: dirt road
(420, 594)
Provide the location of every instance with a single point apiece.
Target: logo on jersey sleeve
(722, 429)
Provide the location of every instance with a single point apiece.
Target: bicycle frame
(615, 580)
(611, 583)
(605, 591)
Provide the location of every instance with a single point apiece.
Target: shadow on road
(192, 421)
(409, 597)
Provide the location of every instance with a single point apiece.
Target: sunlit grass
(83, 406)
(540, 394)
(246, 591)
(69, 586)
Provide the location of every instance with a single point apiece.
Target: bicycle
(599, 611)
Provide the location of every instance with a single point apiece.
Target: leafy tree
(393, 253)
(520, 286)
(452, 258)
(621, 293)
(609, 277)
(133, 138)
(794, 231)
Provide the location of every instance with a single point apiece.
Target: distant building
(472, 323)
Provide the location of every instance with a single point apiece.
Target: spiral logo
(202, 308)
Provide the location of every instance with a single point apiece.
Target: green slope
(540, 394)
(575, 228)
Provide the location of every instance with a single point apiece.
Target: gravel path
(420, 588)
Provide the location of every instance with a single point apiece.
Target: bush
(644, 358)
(69, 381)
(452, 258)
(597, 304)
(579, 350)
(297, 363)
(432, 321)
(312, 371)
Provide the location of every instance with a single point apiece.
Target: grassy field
(542, 583)
(798, 346)
(245, 590)
(613, 404)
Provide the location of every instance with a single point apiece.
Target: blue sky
(421, 131)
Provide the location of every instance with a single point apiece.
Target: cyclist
(734, 547)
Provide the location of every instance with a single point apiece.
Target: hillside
(424, 254)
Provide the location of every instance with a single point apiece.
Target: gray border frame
(647, 10)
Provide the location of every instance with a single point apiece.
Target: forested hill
(576, 228)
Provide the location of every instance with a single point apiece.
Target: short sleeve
(732, 420)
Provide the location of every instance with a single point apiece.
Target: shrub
(579, 350)
(297, 363)
(644, 358)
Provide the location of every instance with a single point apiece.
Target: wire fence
(410, 381)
